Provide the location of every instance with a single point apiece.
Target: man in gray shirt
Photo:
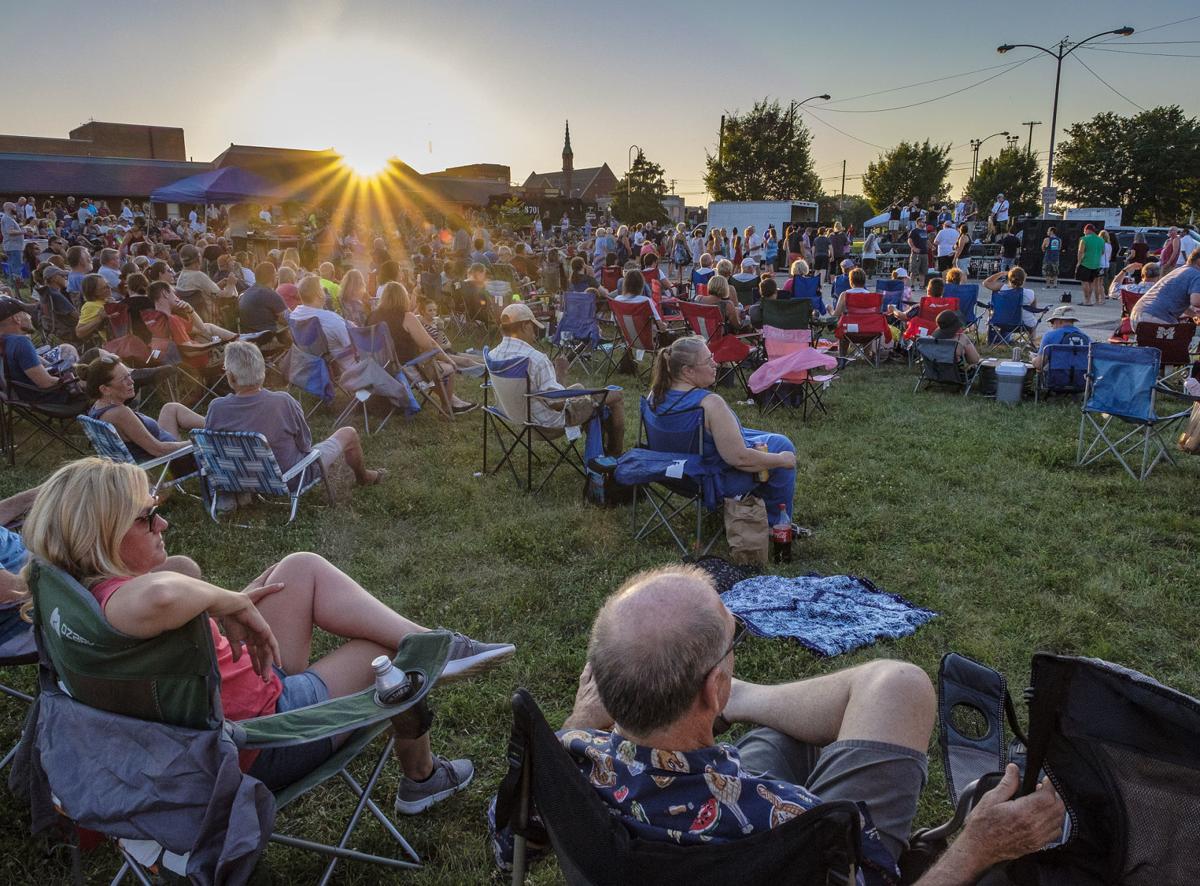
(260, 307)
(13, 239)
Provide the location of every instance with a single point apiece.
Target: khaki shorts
(331, 451)
(575, 414)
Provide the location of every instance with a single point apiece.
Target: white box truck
(740, 214)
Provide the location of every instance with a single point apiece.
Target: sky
(463, 81)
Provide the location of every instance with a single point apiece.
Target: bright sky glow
(465, 81)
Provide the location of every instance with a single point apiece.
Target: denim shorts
(279, 767)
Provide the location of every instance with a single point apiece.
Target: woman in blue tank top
(110, 386)
(682, 375)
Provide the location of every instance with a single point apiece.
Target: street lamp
(1012, 141)
(629, 176)
(975, 144)
(1064, 48)
(795, 105)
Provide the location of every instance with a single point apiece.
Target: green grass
(964, 506)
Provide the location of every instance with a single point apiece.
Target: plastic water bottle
(781, 538)
(391, 683)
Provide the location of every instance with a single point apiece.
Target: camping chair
(471, 313)
(54, 420)
(577, 335)
(595, 848)
(892, 292)
(968, 299)
(942, 365)
(863, 325)
(700, 278)
(807, 288)
(1124, 330)
(925, 322)
(309, 364)
(55, 326)
(729, 351)
(746, 291)
(800, 387)
(236, 462)
(639, 335)
(108, 444)
(17, 652)
(200, 363)
(1007, 322)
(376, 359)
(791, 313)
(511, 421)
(1121, 386)
(1063, 371)
(671, 470)
(840, 284)
(1173, 342)
(165, 692)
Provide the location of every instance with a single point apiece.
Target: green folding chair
(172, 679)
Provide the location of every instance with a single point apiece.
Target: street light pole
(1063, 48)
(977, 143)
(795, 105)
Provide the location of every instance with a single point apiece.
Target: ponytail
(671, 361)
(660, 376)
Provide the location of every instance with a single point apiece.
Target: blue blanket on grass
(828, 615)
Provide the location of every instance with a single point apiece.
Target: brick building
(97, 139)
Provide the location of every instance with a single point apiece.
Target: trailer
(741, 214)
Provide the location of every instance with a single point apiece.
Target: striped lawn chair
(108, 444)
(237, 462)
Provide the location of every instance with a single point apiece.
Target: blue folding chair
(807, 288)
(108, 444)
(17, 651)
(577, 335)
(893, 293)
(511, 421)
(1063, 371)
(840, 284)
(374, 345)
(307, 363)
(968, 300)
(672, 469)
(1121, 386)
(237, 462)
(1007, 322)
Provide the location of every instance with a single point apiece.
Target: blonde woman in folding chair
(97, 521)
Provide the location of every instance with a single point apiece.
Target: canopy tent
(225, 185)
(882, 219)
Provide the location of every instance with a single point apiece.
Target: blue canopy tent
(229, 184)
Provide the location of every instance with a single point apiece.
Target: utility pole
(672, 186)
(842, 194)
(721, 142)
(1031, 124)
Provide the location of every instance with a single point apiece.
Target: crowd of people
(657, 691)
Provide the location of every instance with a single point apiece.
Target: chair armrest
(425, 654)
(1162, 388)
(300, 466)
(168, 458)
(421, 358)
(567, 393)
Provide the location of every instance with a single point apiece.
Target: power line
(1139, 52)
(1109, 85)
(911, 85)
(1157, 27)
(927, 101)
(842, 131)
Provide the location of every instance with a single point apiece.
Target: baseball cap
(847, 264)
(54, 271)
(1062, 312)
(749, 263)
(518, 313)
(10, 306)
(902, 273)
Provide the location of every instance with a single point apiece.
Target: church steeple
(568, 158)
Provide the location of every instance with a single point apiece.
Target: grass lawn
(967, 507)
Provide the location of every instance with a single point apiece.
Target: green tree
(1147, 164)
(911, 169)
(1014, 173)
(765, 155)
(638, 196)
(851, 209)
(511, 214)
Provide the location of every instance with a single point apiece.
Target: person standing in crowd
(1052, 255)
(1174, 298)
(1105, 260)
(962, 250)
(839, 247)
(945, 242)
(821, 246)
(1169, 256)
(1187, 245)
(794, 242)
(1139, 251)
(1010, 245)
(754, 245)
(918, 260)
(12, 237)
(1091, 254)
(870, 253)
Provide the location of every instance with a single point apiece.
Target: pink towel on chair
(789, 351)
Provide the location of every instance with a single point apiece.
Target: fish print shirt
(691, 797)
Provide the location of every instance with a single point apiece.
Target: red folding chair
(1172, 340)
(639, 336)
(730, 351)
(1129, 298)
(926, 320)
(863, 324)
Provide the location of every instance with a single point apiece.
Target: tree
(850, 209)
(1016, 174)
(1147, 164)
(911, 169)
(638, 196)
(512, 215)
(764, 156)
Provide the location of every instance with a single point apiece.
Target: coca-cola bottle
(781, 537)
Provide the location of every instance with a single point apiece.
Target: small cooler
(1010, 381)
